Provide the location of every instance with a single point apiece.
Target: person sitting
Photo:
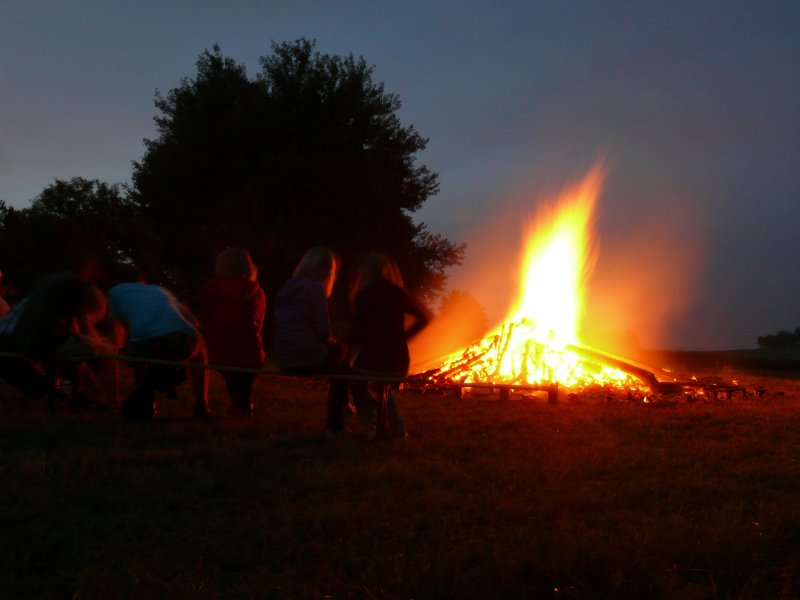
(57, 326)
(233, 310)
(16, 371)
(379, 333)
(304, 342)
(156, 326)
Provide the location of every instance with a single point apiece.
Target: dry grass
(486, 499)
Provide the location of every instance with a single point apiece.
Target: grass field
(485, 499)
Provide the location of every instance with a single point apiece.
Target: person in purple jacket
(304, 342)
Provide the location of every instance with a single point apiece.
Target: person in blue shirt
(156, 325)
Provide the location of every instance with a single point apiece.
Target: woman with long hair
(304, 342)
(380, 333)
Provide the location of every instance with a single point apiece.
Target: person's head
(91, 269)
(318, 263)
(235, 262)
(373, 266)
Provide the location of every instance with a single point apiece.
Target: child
(380, 307)
(233, 310)
(304, 340)
(157, 326)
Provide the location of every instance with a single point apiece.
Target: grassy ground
(486, 499)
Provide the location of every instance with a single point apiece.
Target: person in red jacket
(233, 310)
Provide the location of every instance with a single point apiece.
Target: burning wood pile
(514, 359)
(537, 348)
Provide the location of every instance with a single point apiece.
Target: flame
(536, 342)
(556, 264)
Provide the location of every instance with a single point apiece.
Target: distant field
(486, 499)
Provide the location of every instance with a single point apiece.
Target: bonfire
(537, 345)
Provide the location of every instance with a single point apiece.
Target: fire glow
(538, 343)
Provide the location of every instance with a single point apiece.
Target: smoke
(490, 275)
(645, 279)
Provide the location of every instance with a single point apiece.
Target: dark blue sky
(693, 105)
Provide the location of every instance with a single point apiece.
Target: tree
(783, 340)
(309, 152)
(71, 225)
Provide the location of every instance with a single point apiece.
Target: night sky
(693, 107)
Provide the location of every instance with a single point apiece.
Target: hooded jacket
(233, 310)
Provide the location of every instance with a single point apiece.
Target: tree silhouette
(69, 225)
(309, 152)
(783, 340)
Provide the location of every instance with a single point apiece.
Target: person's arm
(187, 314)
(420, 315)
(119, 334)
(259, 309)
(86, 324)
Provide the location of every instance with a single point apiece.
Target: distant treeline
(783, 340)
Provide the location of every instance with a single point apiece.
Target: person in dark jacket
(58, 326)
(380, 333)
(232, 316)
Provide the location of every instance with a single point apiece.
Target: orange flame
(533, 344)
(556, 264)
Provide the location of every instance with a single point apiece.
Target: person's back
(157, 327)
(380, 307)
(233, 310)
(302, 323)
(47, 319)
(148, 311)
(379, 315)
(16, 371)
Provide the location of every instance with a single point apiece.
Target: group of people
(67, 318)
(305, 343)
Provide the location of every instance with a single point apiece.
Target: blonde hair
(318, 263)
(235, 262)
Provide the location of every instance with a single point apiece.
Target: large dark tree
(309, 152)
(73, 224)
